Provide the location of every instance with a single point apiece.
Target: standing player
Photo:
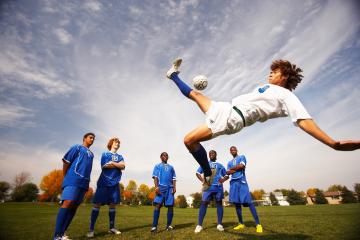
(77, 165)
(107, 191)
(271, 100)
(165, 187)
(215, 191)
(239, 189)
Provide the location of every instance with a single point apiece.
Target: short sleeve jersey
(220, 172)
(80, 159)
(241, 173)
(165, 173)
(110, 176)
(270, 101)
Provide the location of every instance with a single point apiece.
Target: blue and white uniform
(239, 189)
(77, 179)
(108, 184)
(216, 190)
(165, 173)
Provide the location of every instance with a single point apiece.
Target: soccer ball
(200, 82)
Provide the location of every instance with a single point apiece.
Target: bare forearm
(199, 177)
(65, 167)
(119, 165)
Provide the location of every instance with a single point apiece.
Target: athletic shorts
(73, 193)
(214, 192)
(107, 194)
(222, 119)
(239, 192)
(165, 197)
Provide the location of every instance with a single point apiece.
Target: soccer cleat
(259, 228)
(174, 68)
(220, 227)
(153, 230)
(114, 231)
(240, 226)
(198, 229)
(90, 234)
(169, 228)
(65, 237)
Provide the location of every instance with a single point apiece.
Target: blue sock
(239, 213)
(202, 213)
(94, 215)
(200, 156)
(69, 217)
(60, 221)
(220, 212)
(170, 215)
(254, 213)
(156, 217)
(184, 88)
(112, 212)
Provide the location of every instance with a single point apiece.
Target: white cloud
(63, 36)
(93, 6)
(14, 116)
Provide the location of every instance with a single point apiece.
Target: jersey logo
(263, 89)
(114, 158)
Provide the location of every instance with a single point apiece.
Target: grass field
(36, 221)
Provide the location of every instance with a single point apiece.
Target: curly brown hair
(290, 70)
(111, 141)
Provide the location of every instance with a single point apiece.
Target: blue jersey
(109, 176)
(241, 173)
(165, 173)
(220, 171)
(80, 159)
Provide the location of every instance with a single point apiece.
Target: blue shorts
(239, 192)
(165, 197)
(73, 193)
(107, 195)
(214, 192)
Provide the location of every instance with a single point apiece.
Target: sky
(70, 67)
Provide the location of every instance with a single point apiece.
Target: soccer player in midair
(213, 192)
(239, 190)
(107, 191)
(165, 187)
(272, 100)
(77, 165)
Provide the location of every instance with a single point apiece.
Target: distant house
(265, 201)
(331, 197)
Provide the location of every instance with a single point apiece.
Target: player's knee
(189, 141)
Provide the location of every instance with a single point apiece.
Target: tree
(311, 192)
(132, 186)
(347, 196)
(284, 191)
(122, 188)
(357, 190)
(89, 195)
(143, 192)
(257, 194)
(127, 196)
(133, 197)
(335, 188)
(21, 178)
(27, 192)
(197, 199)
(294, 198)
(320, 197)
(51, 185)
(4, 190)
(180, 201)
(273, 199)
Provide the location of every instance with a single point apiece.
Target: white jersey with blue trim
(110, 176)
(240, 174)
(270, 101)
(165, 173)
(80, 159)
(220, 172)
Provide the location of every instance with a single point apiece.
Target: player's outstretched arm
(309, 126)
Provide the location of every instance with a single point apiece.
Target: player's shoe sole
(174, 68)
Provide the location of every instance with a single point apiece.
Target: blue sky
(67, 68)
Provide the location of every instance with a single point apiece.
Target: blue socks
(184, 88)
(69, 217)
(239, 213)
(156, 217)
(170, 215)
(202, 213)
(60, 221)
(220, 212)
(112, 212)
(200, 156)
(254, 213)
(94, 215)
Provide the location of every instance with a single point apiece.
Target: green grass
(37, 221)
